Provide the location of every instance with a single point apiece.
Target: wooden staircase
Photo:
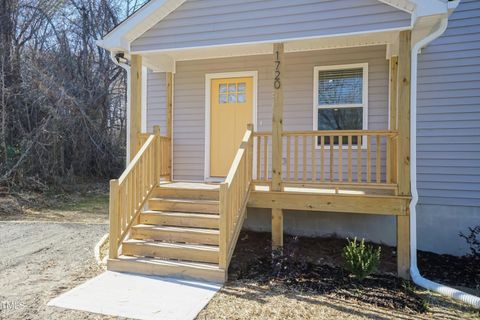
(166, 228)
(178, 235)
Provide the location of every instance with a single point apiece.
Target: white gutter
(126, 67)
(414, 272)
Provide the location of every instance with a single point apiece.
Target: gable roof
(152, 12)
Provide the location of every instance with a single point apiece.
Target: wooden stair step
(182, 219)
(179, 251)
(184, 205)
(175, 234)
(161, 267)
(186, 193)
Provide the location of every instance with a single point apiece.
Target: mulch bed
(450, 270)
(315, 265)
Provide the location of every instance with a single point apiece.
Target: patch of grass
(83, 203)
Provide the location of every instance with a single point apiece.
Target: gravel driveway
(40, 260)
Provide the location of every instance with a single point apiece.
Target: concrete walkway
(139, 297)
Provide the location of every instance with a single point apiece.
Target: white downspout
(126, 67)
(414, 272)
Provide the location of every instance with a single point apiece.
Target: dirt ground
(40, 260)
(47, 248)
(244, 300)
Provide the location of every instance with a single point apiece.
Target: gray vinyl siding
(189, 96)
(156, 103)
(198, 23)
(449, 113)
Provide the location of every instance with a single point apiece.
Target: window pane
(336, 87)
(241, 98)
(232, 87)
(223, 99)
(340, 119)
(222, 88)
(241, 87)
(232, 98)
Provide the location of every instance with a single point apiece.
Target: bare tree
(62, 100)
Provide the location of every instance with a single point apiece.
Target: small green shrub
(360, 260)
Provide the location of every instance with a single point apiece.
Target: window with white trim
(340, 98)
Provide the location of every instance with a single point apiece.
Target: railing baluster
(265, 160)
(130, 194)
(388, 159)
(322, 158)
(378, 175)
(359, 159)
(340, 158)
(295, 162)
(369, 159)
(350, 179)
(314, 166)
(259, 158)
(288, 157)
(304, 159)
(332, 153)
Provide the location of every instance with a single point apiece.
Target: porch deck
(322, 197)
(320, 189)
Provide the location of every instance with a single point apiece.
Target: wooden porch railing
(165, 157)
(234, 193)
(129, 193)
(357, 157)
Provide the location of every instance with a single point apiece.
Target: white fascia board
(420, 8)
(120, 38)
(429, 8)
(404, 5)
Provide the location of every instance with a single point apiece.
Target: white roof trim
(120, 38)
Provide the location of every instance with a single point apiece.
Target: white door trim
(208, 80)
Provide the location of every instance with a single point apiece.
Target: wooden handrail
(360, 157)
(129, 193)
(163, 159)
(234, 193)
(343, 133)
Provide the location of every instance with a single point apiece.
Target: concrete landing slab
(139, 297)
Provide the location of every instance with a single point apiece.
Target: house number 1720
(277, 83)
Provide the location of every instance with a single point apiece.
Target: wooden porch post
(277, 128)
(393, 92)
(135, 103)
(403, 154)
(169, 102)
(392, 145)
(169, 107)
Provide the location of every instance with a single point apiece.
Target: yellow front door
(231, 111)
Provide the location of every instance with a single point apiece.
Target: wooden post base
(277, 228)
(403, 246)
